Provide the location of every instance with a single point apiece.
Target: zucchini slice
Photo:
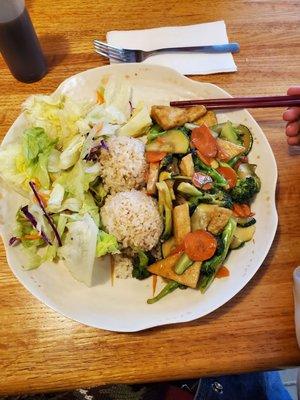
(173, 141)
(245, 222)
(236, 243)
(229, 132)
(202, 216)
(241, 236)
(244, 234)
(218, 127)
(247, 138)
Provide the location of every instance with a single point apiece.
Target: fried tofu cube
(181, 221)
(220, 217)
(171, 117)
(165, 268)
(209, 119)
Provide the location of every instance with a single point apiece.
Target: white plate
(123, 307)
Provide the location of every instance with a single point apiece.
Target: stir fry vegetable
(205, 189)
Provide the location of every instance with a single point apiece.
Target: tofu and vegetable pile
(155, 190)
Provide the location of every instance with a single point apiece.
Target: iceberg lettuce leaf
(60, 116)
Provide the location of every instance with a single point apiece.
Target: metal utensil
(129, 55)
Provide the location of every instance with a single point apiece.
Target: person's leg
(253, 386)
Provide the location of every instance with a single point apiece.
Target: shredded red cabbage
(104, 144)
(13, 241)
(94, 153)
(47, 216)
(33, 222)
(131, 107)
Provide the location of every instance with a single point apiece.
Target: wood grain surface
(41, 350)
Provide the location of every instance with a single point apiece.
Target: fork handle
(214, 48)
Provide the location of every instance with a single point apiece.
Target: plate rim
(193, 315)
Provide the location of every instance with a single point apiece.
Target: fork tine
(111, 53)
(105, 54)
(108, 51)
(118, 53)
(103, 44)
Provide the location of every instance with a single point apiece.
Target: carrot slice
(155, 156)
(229, 174)
(204, 141)
(242, 210)
(223, 272)
(200, 245)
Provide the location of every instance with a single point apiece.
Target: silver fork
(128, 55)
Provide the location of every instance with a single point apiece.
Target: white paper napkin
(191, 35)
(296, 276)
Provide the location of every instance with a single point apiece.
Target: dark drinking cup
(19, 44)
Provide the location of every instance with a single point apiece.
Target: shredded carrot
(45, 198)
(112, 270)
(36, 183)
(100, 98)
(154, 283)
(223, 272)
(33, 236)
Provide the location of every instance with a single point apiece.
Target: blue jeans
(253, 386)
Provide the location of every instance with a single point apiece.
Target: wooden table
(41, 350)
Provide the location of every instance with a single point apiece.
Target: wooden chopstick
(241, 102)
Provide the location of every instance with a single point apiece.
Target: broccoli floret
(245, 189)
(197, 196)
(140, 263)
(219, 198)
